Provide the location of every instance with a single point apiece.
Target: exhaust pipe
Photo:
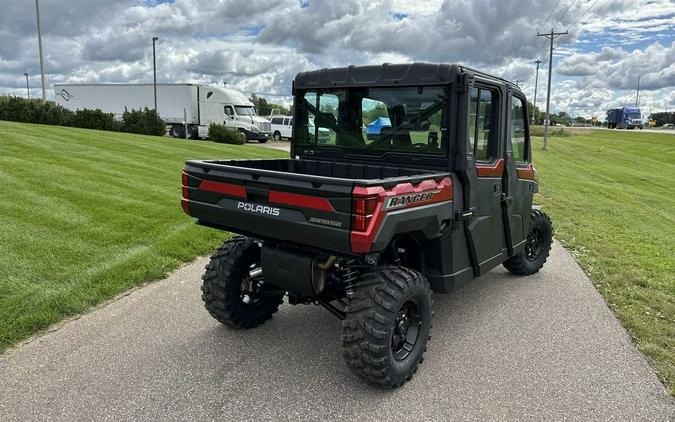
(295, 270)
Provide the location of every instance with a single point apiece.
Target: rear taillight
(363, 209)
(184, 180)
(185, 192)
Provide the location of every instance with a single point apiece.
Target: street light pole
(42, 57)
(536, 80)
(27, 87)
(154, 71)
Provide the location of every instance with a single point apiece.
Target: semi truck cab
(232, 109)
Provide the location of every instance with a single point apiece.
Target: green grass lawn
(86, 215)
(611, 195)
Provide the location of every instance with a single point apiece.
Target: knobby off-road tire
(222, 288)
(537, 246)
(371, 340)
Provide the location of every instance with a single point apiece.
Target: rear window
(374, 121)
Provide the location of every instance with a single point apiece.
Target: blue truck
(624, 118)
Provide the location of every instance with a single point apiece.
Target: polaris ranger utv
(369, 226)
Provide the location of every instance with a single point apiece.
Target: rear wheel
(388, 323)
(232, 289)
(537, 246)
(177, 131)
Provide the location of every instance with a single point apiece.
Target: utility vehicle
(368, 228)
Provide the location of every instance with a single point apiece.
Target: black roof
(388, 75)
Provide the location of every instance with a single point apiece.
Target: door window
(480, 133)
(277, 120)
(229, 111)
(518, 125)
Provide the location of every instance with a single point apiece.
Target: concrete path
(280, 145)
(503, 348)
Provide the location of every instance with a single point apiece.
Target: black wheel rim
(406, 330)
(534, 244)
(249, 285)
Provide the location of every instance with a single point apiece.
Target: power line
(573, 31)
(551, 36)
(582, 16)
(589, 16)
(545, 22)
(566, 10)
(549, 15)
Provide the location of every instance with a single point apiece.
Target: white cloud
(259, 45)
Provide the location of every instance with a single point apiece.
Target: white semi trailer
(203, 105)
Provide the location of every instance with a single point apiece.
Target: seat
(401, 136)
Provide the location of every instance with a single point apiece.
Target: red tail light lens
(184, 178)
(359, 223)
(362, 212)
(365, 206)
(185, 192)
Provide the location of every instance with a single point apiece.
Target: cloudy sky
(259, 45)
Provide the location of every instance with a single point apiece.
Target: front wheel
(537, 246)
(233, 290)
(277, 135)
(388, 323)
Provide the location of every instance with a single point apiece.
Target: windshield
(373, 120)
(245, 110)
(634, 116)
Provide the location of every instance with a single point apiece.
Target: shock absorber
(349, 275)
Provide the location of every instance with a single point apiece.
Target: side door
(276, 124)
(286, 133)
(485, 227)
(519, 181)
(229, 118)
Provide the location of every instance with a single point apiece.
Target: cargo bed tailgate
(295, 208)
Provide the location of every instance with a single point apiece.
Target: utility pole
(637, 96)
(42, 57)
(536, 80)
(551, 36)
(518, 82)
(154, 71)
(27, 87)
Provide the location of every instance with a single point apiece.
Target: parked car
(668, 126)
(282, 128)
(369, 229)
